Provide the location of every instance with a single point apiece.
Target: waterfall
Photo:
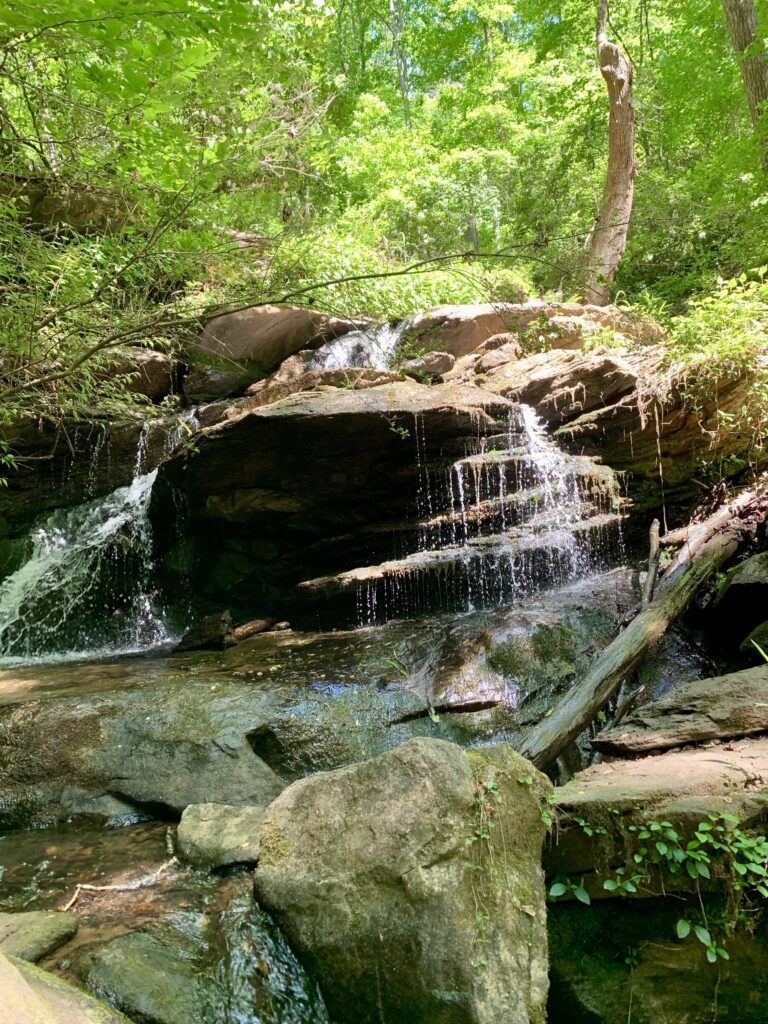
(373, 347)
(86, 588)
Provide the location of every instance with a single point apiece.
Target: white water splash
(373, 347)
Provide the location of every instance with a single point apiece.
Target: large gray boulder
(411, 885)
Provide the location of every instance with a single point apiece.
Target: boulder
(372, 873)
(149, 373)
(211, 633)
(214, 835)
(720, 708)
(562, 385)
(260, 338)
(211, 383)
(463, 329)
(430, 365)
(32, 996)
(35, 933)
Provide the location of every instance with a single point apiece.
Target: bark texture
(741, 21)
(609, 237)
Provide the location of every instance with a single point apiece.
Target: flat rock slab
(682, 787)
(213, 835)
(722, 707)
(31, 996)
(33, 935)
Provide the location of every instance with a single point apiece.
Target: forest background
(165, 161)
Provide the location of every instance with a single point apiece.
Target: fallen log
(695, 535)
(653, 565)
(574, 713)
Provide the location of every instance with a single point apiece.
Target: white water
(373, 347)
(86, 589)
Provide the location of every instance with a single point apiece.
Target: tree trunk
(574, 713)
(396, 23)
(741, 21)
(609, 237)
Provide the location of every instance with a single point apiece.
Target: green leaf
(558, 889)
(683, 928)
(582, 895)
(702, 934)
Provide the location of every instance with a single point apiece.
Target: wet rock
(32, 996)
(369, 872)
(145, 978)
(280, 384)
(226, 965)
(36, 933)
(210, 633)
(724, 707)
(285, 491)
(214, 835)
(430, 365)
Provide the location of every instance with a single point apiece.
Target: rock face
(32, 996)
(720, 708)
(369, 871)
(36, 933)
(214, 835)
(313, 483)
(210, 633)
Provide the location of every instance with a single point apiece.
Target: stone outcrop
(681, 787)
(35, 933)
(370, 872)
(724, 707)
(669, 981)
(147, 372)
(743, 598)
(215, 835)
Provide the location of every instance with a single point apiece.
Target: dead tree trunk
(609, 236)
(574, 713)
(741, 22)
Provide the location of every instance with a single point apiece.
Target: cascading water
(511, 515)
(86, 588)
(371, 348)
